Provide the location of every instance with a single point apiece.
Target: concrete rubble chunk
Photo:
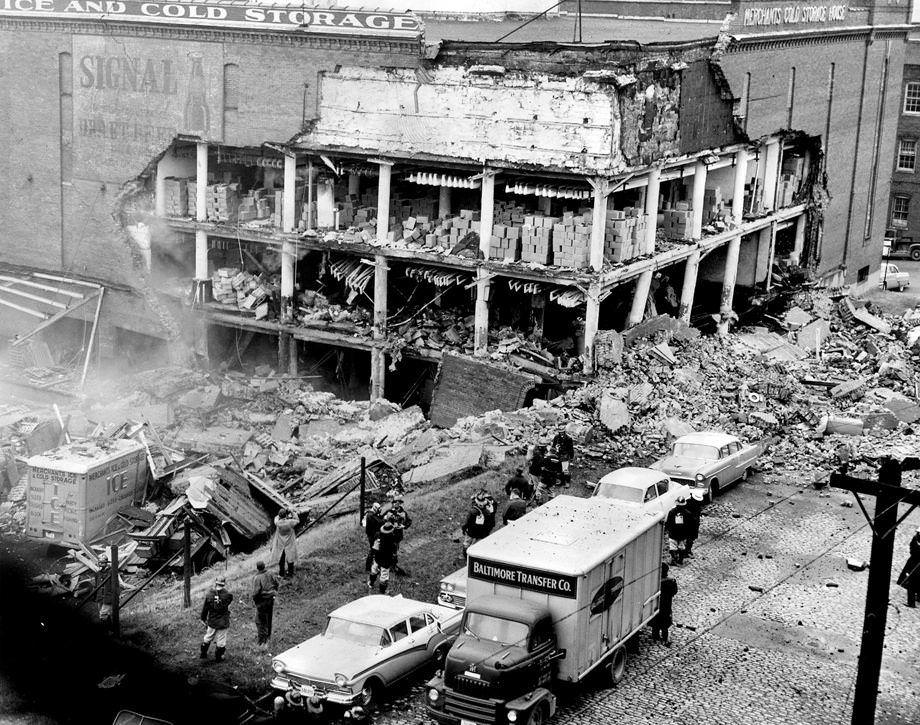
(831, 424)
(903, 408)
(640, 392)
(814, 336)
(913, 337)
(456, 461)
(796, 318)
(613, 413)
(608, 349)
(848, 387)
(676, 428)
(664, 353)
(672, 326)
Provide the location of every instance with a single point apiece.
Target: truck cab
(499, 665)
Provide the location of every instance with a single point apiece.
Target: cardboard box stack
(675, 223)
(536, 238)
(714, 206)
(175, 191)
(260, 204)
(572, 240)
(191, 187)
(223, 202)
(245, 291)
(505, 243)
(753, 196)
(624, 237)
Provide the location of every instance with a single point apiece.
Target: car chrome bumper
(306, 691)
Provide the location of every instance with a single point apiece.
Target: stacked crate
(191, 187)
(223, 202)
(175, 192)
(753, 196)
(572, 240)
(624, 236)
(505, 243)
(536, 238)
(222, 285)
(675, 223)
(714, 206)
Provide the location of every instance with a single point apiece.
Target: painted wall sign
(133, 96)
(250, 17)
(792, 15)
(559, 585)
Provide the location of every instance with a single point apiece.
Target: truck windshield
(366, 634)
(495, 629)
(620, 493)
(695, 450)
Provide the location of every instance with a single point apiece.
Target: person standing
(284, 543)
(480, 520)
(535, 457)
(373, 520)
(676, 527)
(401, 521)
(519, 481)
(694, 510)
(384, 557)
(662, 621)
(516, 507)
(264, 589)
(215, 613)
(909, 578)
(563, 448)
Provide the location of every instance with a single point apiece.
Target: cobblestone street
(782, 652)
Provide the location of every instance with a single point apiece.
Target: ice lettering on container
(196, 119)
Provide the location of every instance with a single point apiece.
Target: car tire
(615, 669)
(745, 475)
(915, 254)
(712, 491)
(370, 693)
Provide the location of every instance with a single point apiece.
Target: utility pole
(888, 494)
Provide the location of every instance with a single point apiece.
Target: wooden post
(187, 565)
(115, 590)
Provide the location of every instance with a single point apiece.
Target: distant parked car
(452, 589)
(893, 278)
(367, 645)
(642, 488)
(709, 461)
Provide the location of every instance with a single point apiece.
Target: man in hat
(563, 448)
(384, 549)
(264, 589)
(661, 623)
(694, 510)
(480, 520)
(215, 613)
(516, 508)
(284, 543)
(909, 578)
(676, 526)
(519, 481)
(401, 521)
(373, 520)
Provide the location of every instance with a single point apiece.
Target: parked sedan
(366, 646)
(452, 589)
(709, 461)
(641, 487)
(893, 278)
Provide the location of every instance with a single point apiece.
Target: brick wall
(58, 216)
(905, 183)
(850, 134)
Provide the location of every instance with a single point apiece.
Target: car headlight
(443, 586)
(278, 666)
(699, 476)
(340, 680)
(512, 715)
(433, 695)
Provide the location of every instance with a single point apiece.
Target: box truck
(551, 598)
(75, 489)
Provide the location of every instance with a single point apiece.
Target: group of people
(550, 465)
(683, 526)
(384, 527)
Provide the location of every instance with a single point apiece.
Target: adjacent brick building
(904, 205)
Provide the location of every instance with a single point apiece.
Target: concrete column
(728, 282)
(160, 192)
(383, 200)
(444, 202)
(486, 213)
(201, 202)
(741, 163)
(770, 175)
(652, 192)
(354, 185)
(796, 255)
(288, 194)
(640, 299)
(699, 194)
(288, 250)
(310, 196)
(768, 235)
(599, 223)
(294, 351)
(378, 357)
(592, 318)
(688, 291)
(481, 331)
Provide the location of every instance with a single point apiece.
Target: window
(723, 452)
(862, 274)
(662, 487)
(650, 494)
(912, 98)
(907, 154)
(899, 208)
(399, 631)
(734, 448)
(417, 622)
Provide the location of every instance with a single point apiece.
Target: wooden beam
(54, 318)
(27, 310)
(30, 296)
(92, 337)
(46, 287)
(68, 280)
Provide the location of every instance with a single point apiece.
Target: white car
(709, 461)
(367, 645)
(641, 487)
(891, 277)
(452, 589)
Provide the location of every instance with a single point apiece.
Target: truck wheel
(616, 667)
(537, 715)
(915, 254)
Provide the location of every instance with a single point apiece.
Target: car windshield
(619, 492)
(695, 450)
(356, 632)
(495, 629)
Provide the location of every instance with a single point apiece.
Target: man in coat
(516, 507)
(563, 448)
(284, 543)
(909, 578)
(480, 520)
(264, 589)
(661, 623)
(519, 481)
(677, 528)
(694, 510)
(384, 557)
(401, 521)
(215, 613)
(373, 520)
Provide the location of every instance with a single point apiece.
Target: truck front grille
(470, 708)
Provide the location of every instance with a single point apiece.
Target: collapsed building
(368, 204)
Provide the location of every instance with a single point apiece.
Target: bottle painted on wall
(196, 120)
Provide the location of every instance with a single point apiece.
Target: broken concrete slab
(796, 317)
(903, 408)
(883, 419)
(664, 353)
(454, 462)
(848, 387)
(203, 398)
(608, 349)
(831, 424)
(320, 427)
(395, 427)
(675, 427)
(867, 318)
(216, 439)
(640, 392)
(283, 429)
(913, 336)
(814, 336)
(613, 413)
(672, 326)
